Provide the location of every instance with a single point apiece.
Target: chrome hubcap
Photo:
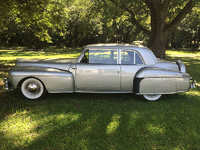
(33, 88)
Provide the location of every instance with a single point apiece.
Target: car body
(101, 68)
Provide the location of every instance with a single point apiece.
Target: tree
(29, 16)
(115, 24)
(188, 33)
(81, 22)
(156, 18)
(26, 9)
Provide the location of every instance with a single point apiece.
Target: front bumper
(7, 84)
(192, 83)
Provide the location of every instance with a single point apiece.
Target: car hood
(61, 63)
(51, 60)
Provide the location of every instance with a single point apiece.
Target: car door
(98, 72)
(131, 62)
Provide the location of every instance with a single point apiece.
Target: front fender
(55, 80)
(160, 81)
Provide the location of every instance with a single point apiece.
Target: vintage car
(101, 68)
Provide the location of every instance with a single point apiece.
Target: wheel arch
(54, 80)
(23, 79)
(137, 79)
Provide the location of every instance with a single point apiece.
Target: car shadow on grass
(100, 121)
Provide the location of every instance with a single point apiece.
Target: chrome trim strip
(62, 92)
(163, 93)
(79, 91)
(181, 66)
(134, 58)
(119, 57)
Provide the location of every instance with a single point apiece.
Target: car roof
(115, 45)
(146, 53)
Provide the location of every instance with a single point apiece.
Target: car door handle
(73, 67)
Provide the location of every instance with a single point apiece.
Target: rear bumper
(7, 84)
(192, 83)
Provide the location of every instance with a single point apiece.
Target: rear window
(130, 57)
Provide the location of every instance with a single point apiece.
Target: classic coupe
(101, 68)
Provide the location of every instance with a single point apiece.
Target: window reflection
(103, 56)
(130, 57)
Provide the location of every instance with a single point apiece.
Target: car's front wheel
(32, 89)
(151, 97)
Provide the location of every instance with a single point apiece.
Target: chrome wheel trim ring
(152, 97)
(32, 88)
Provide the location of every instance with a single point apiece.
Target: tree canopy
(156, 18)
(67, 23)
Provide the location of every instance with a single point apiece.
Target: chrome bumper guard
(192, 83)
(7, 84)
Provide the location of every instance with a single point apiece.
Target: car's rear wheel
(151, 97)
(32, 89)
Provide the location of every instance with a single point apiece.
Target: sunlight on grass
(23, 127)
(192, 93)
(135, 115)
(113, 125)
(7, 50)
(155, 129)
(18, 128)
(14, 54)
(182, 53)
(39, 57)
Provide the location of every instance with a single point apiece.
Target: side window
(85, 58)
(138, 59)
(127, 57)
(130, 57)
(103, 56)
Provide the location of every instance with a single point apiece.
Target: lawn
(99, 121)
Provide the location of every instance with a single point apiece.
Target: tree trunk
(158, 45)
(161, 24)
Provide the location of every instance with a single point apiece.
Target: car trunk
(167, 65)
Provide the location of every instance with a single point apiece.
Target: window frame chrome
(120, 50)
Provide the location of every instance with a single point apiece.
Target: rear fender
(181, 66)
(160, 81)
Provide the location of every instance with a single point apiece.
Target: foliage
(66, 23)
(156, 18)
(188, 34)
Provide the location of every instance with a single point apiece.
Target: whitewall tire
(32, 89)
(151, 97)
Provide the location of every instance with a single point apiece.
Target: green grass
(48, 53)
(99, 121)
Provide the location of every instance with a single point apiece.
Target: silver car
(101, 68)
